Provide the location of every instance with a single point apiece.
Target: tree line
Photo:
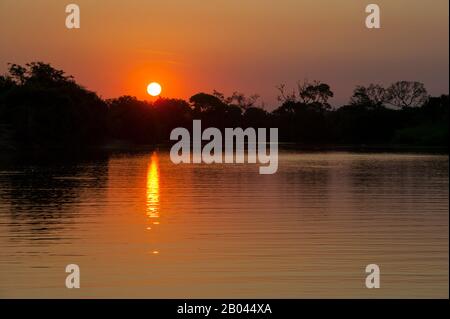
(42, 106)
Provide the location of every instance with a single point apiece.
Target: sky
(250, 46)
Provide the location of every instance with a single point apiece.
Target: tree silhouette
(42, 106)
(371, 96)
(313, 93)
(407, 94)
(238, 99)
(203, 102)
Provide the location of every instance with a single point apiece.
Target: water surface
(140, 226)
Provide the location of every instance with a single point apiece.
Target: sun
(154, 89)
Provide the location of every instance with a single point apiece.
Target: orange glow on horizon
(138, 75)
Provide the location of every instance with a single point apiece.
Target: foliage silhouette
(42, 106)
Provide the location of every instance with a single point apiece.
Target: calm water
(139, 226)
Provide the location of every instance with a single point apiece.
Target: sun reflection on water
(153, 189)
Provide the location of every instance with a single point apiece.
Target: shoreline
(122, 146)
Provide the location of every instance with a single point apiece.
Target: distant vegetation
(41, 106)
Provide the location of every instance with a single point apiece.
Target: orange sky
(246, 45)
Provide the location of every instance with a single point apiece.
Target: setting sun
(154, 89)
